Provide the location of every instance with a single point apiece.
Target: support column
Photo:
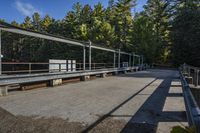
(90, 58)
(119, 60)
(84, 49)
(114, 60)
(0, 56)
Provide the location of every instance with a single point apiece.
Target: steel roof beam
(40, 35)
(102, 48)
(17, 30)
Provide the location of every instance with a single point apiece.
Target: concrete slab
(141, 97)
(3, 90)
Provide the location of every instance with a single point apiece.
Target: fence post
(84, 49)
(188, 71)
(114, 61)
(0, 55)
(29, 68)
(196, 77)
(142, 60)
(133, 59)
(90, 61)
(139, 60)
(184, 68)
(119, 54)
(59, 67)
(129, 60)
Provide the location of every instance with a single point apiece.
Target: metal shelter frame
(13, 29)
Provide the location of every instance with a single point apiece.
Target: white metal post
(133, 59)
(188, 71)
(29, 68)
(114, 60)
(90, 61)
(84, 49)
(142, 60)
(197, 82)
(119, 60)
(196, 77)
(129, 60)
(139, 60)
(0, 55)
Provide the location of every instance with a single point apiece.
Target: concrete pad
(140, 97)
(85, 78)
(103, 75)
(55, 82)
(3, 90)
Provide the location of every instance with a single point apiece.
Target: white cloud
(26, 9)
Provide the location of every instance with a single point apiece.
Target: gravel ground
(143, 102)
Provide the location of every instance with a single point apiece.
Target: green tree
(123, 22)
(159, 12)
(26, 41)
(27, 24)
(36, 21)
(185, 33)
(46, 22)
(144, 38)
(102, 33)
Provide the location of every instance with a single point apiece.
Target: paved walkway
(147, 101)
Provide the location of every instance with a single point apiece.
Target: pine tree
(186, 32)
(36, 21)
(123, 22)
(159, 12)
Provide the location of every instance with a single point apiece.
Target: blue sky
(17, 9)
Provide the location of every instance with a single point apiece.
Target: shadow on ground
(147, 118)
(150, 113)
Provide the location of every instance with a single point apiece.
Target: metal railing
(192, 108)
(43, 67)
(193, 73)
(89, 46)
